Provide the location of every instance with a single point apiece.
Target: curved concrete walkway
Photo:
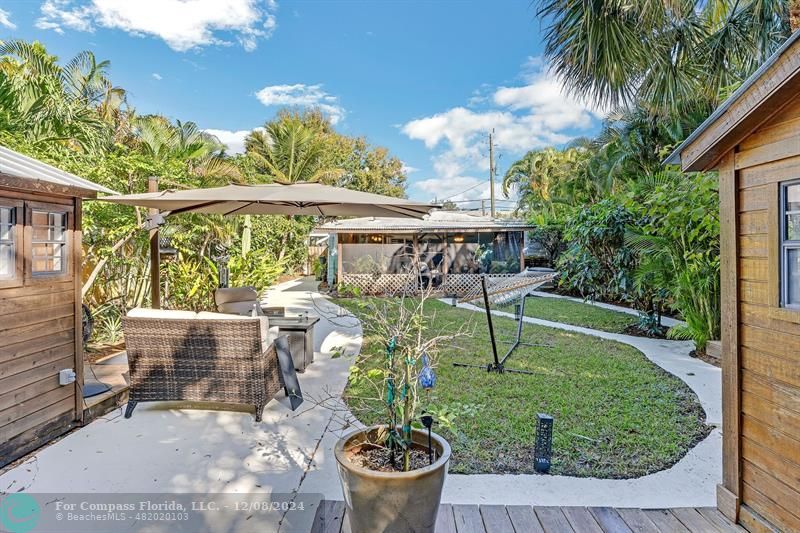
(168, 448)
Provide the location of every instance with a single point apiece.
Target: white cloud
(157, 76)
(182, 24)
(302, 95)
(534, 114)
(5, 20)
(408, 169)
(234, 140)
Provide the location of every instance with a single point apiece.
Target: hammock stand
(517, 287)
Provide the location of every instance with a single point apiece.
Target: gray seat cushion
(235, 294)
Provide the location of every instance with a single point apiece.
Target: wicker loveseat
(201, 357)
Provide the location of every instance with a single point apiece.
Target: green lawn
(575, 313)
(617, 415)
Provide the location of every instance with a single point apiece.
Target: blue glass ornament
(427, 377)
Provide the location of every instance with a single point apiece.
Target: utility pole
(483, 207)
(491, 173)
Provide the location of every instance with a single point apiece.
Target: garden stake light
(427, 421)
(543, 450)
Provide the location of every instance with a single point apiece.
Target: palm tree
(46, 102)
(550, 177)
(288, 151)
(158, 138)
(668, 56)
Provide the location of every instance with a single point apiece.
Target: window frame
(784, 245)
(46, 277)
(19, 243)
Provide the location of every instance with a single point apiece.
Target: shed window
(790, 245)
(49, 242)
(8, 244)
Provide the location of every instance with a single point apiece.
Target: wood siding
(39, 319)
(762, 453)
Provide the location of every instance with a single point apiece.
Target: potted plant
(392, 474)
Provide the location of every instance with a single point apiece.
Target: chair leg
(129, 409)
(259, 410)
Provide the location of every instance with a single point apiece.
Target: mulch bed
(380, 459)
(97, 352)
(705, 358)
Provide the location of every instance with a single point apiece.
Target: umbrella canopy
(276, 199)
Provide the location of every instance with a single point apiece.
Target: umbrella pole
(155, 253)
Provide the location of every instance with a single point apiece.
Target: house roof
(21, 171)
(435, 221)
(752, 104)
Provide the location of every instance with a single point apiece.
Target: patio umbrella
(269, 199)
(276, 199)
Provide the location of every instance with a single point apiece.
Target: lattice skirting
(395, 284)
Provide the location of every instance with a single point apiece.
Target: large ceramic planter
(391, 502)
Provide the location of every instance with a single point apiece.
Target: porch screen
(484, 253)
(432, 251)
(394, 258)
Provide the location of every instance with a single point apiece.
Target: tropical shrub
(678, 245)
(550, 237)
(258, 268)
(190, 283)
(597, 263)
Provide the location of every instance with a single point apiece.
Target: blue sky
(428, 80)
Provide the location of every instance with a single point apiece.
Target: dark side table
(300, 331)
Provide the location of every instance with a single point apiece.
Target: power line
(481, 199)
(465, 190)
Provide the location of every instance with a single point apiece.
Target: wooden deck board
(445, 522)
(496, 519)
(694, 521)
(524, 519)
(553, 519)
(715, 517)
(468, 519)
(637, 521)
(331, 518)
(665, 521)
(610, 520)
(582, 520)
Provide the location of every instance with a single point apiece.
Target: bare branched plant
(402, 380)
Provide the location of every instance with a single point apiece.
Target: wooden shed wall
(38, 324)
(761, 376)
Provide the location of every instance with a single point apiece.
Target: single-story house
(41, 344)
(450, 250)
(753, 140)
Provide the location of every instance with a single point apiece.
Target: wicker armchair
(177, 355)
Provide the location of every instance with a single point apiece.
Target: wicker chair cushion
(266, 336)
(141, 312)
(235, 294)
